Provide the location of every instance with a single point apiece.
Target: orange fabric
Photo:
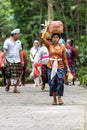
(24, 54)
(55, 53)
(1, 59)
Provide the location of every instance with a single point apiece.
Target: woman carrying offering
(56, 65)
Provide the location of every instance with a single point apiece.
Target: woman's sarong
(57, 83)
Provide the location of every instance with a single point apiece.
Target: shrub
(82, 75)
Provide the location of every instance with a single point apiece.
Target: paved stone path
(32, 109)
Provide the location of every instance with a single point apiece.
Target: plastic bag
(48, 35)
(55, 27)
(39, 64)
(69, 77)
(31, 76)
(36, 72)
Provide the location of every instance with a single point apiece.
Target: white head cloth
(15, 31)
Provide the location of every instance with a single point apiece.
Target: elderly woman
(35, 58)
(56, 64)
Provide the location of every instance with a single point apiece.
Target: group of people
(49, 61)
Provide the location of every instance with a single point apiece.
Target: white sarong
(55, 66)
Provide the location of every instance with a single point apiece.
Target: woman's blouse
(55, 52)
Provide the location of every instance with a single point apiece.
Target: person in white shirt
(35, 58)
(12, 52)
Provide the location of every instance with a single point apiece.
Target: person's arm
(5, 48)
(77, 56)
(31, 57)
(5, 62)
(21, 57)
(43, 37)
(26, 58)
(66, 64)
(65, 60)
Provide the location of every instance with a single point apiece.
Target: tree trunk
(50, 9)
(78, 21)
(72, 17)
(40, 21)
(86, 19)
(65, 21)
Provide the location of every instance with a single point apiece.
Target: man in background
(12, 52)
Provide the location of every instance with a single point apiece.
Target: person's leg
(17, 71)
(44, 76)
(23, 75)
(4, 77)
(36, 81)
(60, 100)
(72, 68)
(52, 85)
(60, 90)
(73, 82)
(20, 81)
(8, 85)
(43, 83)
(54, 98)
(16, 83)
(22, 78)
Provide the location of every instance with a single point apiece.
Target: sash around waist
(55, 59)
(45, 57)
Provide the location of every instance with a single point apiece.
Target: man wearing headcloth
(12, 51)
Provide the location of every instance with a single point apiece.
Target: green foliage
(29, 14)
(82, 75)
(1, 81)
(83, 50)
(83, 80)
(6, 19)
(28, 18)
(0, 46)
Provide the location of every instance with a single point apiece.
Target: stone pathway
(32, 109)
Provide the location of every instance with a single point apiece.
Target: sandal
(16, 91)
(61, 103)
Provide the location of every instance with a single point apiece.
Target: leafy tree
(6, 19)
(29, 17)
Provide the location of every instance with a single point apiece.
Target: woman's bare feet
(54, 102)
(60, 102)
(54, 98)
